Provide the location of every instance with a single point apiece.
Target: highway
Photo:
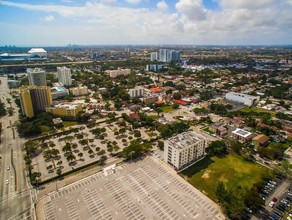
(15, 200)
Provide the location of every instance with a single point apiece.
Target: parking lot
(144, 189)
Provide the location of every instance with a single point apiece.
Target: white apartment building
(78, 91)
(242, 98)
(154, 56)
(164, 55)
(137, 92)
(185, 149)
(118, 72)
(64, 75)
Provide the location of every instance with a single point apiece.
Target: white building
(59, 92)
(154, 56)
(164, 55)
(64, 75)
(37, 77)
(118, 72)
(241, 135)
(242, 98)
(137, 92)
(40, 52)
(184, 149)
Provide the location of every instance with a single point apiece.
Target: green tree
(253, 199)
(217, 148)
(176, 95)
(175, 106)
(136, 149)
(160, 145)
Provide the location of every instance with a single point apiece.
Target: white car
(271, 204)
(8, 167)
(7, 181)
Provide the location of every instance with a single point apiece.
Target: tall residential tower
(34, 99)
(37, 77)
(64, 76)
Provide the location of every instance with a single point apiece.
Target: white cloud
(108, 2)
(103, 22)
(49, 18)
(249, 4)
(192, 9)
(162, 5)
(134, 2)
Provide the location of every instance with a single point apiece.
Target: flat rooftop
(66, 106)
(185, 139)
(139, 190)
(241, 132)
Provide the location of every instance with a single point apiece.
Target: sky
(134, 22)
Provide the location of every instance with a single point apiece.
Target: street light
(131, 153)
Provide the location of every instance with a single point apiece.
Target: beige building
(184, 150)
(78, 91)
(137, 92)
(65, 110)
(118, 72)
(34, 99)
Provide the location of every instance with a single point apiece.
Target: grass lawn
(208, 130)
(153, 117)
(69, 123)
(254, 109)
(166, 108)
(232, 169)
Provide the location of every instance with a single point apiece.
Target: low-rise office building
(118, 72)
(59, 92)
(242, 98)
(154, 67)
(185, 149)
(65, 110)
(79, 91)
(241, 135)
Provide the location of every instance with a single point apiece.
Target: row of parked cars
(281, 206)
(268, 189)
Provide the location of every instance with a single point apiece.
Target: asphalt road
(14, 191)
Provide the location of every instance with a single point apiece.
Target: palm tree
(59, 163)
(80, 155)
(69, 139)
(47, 154)
(67, 147)
(71, 157)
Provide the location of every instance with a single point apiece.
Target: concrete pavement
(14, 195)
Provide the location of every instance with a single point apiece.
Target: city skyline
(196, 22)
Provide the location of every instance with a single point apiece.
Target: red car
(274, 199)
